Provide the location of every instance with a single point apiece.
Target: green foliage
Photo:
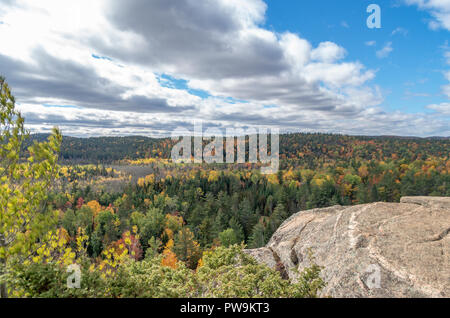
(228, 237)
(259, 236)
(150, 225)
(149, 278)
(154, 246)
(50, 281)
(186, 248)
(225, 272)
(24, 184)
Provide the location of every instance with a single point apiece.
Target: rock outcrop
(371, 250)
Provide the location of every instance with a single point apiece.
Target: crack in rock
(279, 265)
(438, 237)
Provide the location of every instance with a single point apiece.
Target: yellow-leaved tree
(25, 179)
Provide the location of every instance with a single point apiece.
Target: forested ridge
(308, 147)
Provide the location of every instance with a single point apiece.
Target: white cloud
(447, 57)
(385, 51)
(219, 46)
(446, 90)
(443, 108)
(439, 10)
(447, 75)
(400, 30)
(371, 43)
(328, 52)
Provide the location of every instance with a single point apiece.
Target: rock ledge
(371, 250)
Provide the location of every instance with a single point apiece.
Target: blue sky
(412, 70)
(150, 67)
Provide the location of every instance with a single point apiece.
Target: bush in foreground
(223, 272)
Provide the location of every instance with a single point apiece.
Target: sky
(115, 68)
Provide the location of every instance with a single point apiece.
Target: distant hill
(106, 149)
(308, 147)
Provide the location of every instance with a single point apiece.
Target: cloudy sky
(110, 67)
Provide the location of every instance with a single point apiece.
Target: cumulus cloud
(328, 52)
(146, 67)
(438, 9)
(443, 108)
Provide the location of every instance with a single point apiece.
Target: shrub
(223, 272)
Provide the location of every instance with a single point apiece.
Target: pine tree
(246, 216)
(186, 248)
(374, 197)
(277, 217)
(154, 244)
(237, 228)
(258, 237)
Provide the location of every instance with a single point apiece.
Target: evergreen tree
(259, 236)
(228, 238)
(186, 248)
(237, 228)
(278, 216)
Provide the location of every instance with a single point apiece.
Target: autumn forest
(140, 225)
